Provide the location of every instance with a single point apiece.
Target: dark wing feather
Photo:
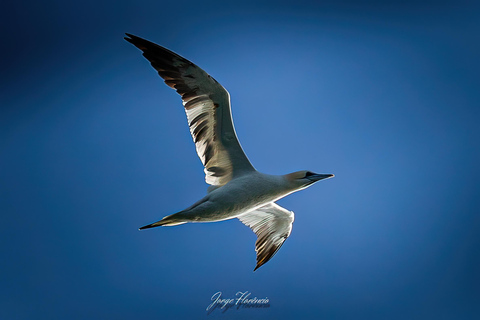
(272, 224)
(207, 105)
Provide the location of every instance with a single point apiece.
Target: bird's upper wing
(272, 224)
(207, 105)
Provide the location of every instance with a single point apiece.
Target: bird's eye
(308, 174)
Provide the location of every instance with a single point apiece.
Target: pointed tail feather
(167, 221)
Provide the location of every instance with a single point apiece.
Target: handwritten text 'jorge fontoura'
(242, 299)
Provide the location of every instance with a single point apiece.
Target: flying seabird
(236, 189)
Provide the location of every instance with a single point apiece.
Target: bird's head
(302, 179)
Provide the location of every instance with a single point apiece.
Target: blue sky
(94, 145)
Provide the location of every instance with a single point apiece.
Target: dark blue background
(385, 95)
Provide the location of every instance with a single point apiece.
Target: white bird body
(237, 197)
(237, 190)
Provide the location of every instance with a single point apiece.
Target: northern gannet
(236, 189)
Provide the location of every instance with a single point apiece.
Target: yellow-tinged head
(305, 178)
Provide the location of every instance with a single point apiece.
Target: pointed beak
(319, 176)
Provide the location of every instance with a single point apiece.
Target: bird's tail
(168, 221)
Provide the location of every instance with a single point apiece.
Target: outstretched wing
(272, 224)
(207, 105)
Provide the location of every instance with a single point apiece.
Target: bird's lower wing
(272, 224)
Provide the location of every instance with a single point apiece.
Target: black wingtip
(133, 39)
(129, 37)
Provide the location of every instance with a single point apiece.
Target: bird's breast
(243, 194)
(240, 195)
